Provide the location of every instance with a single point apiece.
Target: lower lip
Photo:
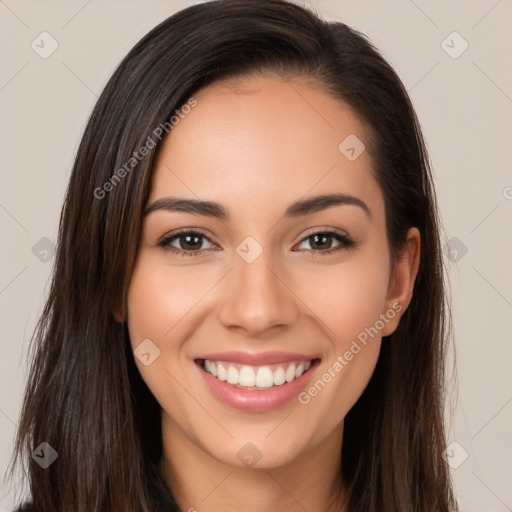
(250, 400)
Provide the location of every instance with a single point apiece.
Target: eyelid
(186, 231)
(323, 229)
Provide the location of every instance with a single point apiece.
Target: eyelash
(345, 243)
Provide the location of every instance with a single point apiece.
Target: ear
(401, 282)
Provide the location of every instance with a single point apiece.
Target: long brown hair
(85, 396)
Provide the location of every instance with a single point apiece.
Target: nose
(257, 298)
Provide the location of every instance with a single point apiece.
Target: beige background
(465, 107)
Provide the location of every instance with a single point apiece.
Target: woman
(247, 310)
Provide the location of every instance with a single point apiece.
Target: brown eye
(321, 242)
(189, 243)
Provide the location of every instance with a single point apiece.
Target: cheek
(159, 299)
(347, 297)
(154, 308)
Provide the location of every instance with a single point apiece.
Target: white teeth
(221, 372)
(290, 372)
(247, 377)
(279, 376)
(232, 375)
(264, 377)
(256, 377)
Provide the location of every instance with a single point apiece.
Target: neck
(198, 482)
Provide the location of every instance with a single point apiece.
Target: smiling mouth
(258, 378)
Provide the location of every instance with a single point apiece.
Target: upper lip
(254, 359)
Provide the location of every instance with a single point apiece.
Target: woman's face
(291, 332)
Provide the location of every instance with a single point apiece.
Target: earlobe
(401, 283)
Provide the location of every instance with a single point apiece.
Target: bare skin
(255, 146)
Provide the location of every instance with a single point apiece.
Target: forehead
(262, 141)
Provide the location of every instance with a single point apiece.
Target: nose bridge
(256, 297)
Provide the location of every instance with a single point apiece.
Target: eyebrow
(298, 209)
